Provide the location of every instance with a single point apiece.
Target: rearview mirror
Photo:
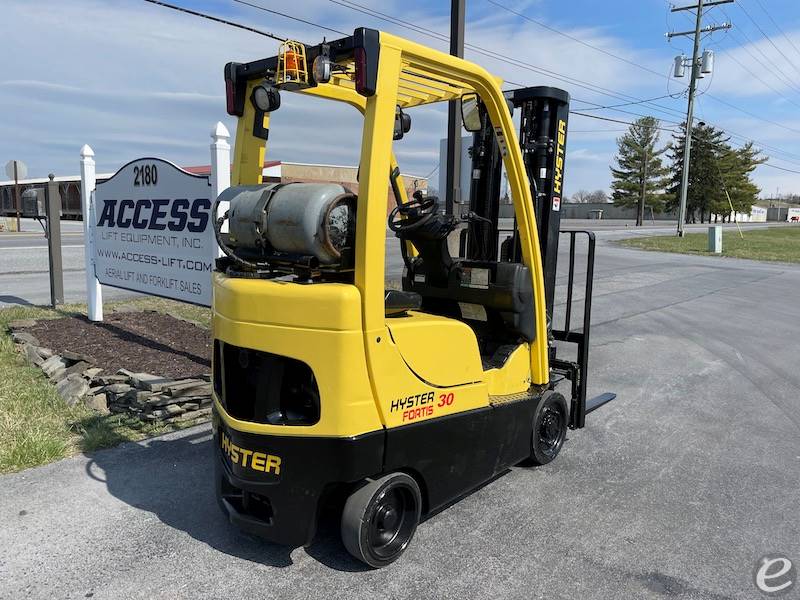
(471, 112)
(402, 124)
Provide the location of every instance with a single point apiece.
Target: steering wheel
(416, 213)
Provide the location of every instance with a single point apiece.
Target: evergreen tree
(640, 177)
(714, 166)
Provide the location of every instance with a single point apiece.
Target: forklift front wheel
(550, 422)
(380, 518)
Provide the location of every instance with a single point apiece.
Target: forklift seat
(398, 302)
(502, 288)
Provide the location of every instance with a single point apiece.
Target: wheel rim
(550, 433)
(392, 522)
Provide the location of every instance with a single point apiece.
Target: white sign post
(94, 293)
(220, 168)
(154, 232)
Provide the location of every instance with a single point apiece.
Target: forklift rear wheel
(550, 422)
(380, 518)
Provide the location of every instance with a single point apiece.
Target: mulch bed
(141, 341)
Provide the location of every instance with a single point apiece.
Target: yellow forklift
(385, 405)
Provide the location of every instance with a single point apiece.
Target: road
(24, 264)
(675, 489)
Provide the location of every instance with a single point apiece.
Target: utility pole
(453, 173)
(640, 214)
(696, 72)
(16, 195)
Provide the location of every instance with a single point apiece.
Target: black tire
(380, 518)
(550, 424)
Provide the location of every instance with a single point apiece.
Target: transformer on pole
(699, 66)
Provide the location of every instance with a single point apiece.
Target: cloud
(132, 79)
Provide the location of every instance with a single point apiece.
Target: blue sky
(133, 79)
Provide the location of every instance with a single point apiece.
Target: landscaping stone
(151, 383)
(21, 323)
(112, 379)
(78, 367)
(137, 397)
(58, 375)
(76, 357)
(200, 388)
(96, 402)
(188, 416)
(182, 384)
(72, 388)
(23, 337)
(118, 388)
(32, 354)
(174, 410)
(159, 400)
(53, 364)
(92, 372)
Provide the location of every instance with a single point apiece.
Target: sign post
(153, 231)
(220, 169)
(94, 293)
(16, 170)
(53, 212)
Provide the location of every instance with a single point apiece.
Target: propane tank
(308, 219)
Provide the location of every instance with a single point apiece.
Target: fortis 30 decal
(421, 405)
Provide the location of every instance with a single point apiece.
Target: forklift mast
(543, 140)
(544, 114)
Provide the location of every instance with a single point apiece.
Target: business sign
(758, 214)
(793, 215)
(153, 231)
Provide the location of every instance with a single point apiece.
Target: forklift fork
(577, 371)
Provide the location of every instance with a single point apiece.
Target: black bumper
(271, 486)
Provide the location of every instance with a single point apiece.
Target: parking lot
(675, 489)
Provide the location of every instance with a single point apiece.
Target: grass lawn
(774, 244)
(36, 426)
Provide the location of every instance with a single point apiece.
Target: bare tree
(581, 196)
(598, 196)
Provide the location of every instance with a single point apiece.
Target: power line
(766, 37)
(730, 55)
(218, 20)
(293, 18)
(489, 53)
(609, 119)
(575, 39)
(778, 27)
(753, 115)
(610, 106)
(767, 64)
(766, 164)
(637, 65)
(498, 56)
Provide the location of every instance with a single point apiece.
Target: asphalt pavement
(675, 489)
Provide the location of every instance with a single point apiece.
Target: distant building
(274, 171)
